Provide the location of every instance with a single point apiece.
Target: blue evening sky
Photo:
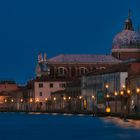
(28, 27)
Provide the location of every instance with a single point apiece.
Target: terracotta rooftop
(83, 58)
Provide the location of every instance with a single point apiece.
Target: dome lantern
(128, 22)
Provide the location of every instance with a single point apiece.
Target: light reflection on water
(121, 123)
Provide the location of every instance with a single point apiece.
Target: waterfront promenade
(35, 126)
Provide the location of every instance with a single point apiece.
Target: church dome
(126, 39)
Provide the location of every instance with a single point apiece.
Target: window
(40, 85)
(63, 85)
(62, 71)
(51, 85)
(40, 94)
(82, 71)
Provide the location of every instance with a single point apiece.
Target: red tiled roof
(83, 58)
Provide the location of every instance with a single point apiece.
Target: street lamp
(21, 100)
(138, 90)
(116, 94)
(122, 93)
(12, 100)
(64, 98)
(123, 86)
(80, 97)
(93, 97)
(5, 100)
(138, 93)
(54, 102)
(31, 100)
(106, 86)
(125, 94)
(128, 91)
(107, 98)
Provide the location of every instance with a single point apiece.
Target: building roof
(83, 58)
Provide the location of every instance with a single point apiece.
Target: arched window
(62, 71)
(83, 71)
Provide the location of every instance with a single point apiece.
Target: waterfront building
(96, 86)
(43, 87)
(6, 88)
(74, 81)
(69, 100)
(68, 67)
(126, 47)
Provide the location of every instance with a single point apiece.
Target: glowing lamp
(37, 100)
(107, 86)
(5, 100)
(121, 92)
(138, 90)
(123, 86)
(12, 100)
(21, 100)
(31, 100)
(93, 97)
(108, 110)
(107, 96)
(69, 98)
(115, 93)
(128, 91)
(80, 97)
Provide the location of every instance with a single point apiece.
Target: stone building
(65, 68)
(126, 47)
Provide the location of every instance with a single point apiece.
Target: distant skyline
(29, 27)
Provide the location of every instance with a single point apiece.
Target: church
(54, 74)
(126, 46)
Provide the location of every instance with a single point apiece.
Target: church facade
(72, 66)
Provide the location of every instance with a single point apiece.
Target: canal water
(22, 126)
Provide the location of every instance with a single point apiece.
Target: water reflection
(121, 123)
